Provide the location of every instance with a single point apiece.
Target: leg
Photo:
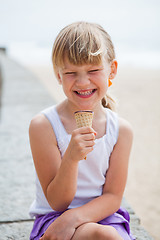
(94, 231)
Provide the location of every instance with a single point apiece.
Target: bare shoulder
(39, 126)
(38, 121)
(125, 129)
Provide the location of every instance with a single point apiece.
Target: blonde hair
(83, 43)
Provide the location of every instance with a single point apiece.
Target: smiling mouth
(85, 93)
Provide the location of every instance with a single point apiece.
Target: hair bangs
(82, 43)
(84, 49)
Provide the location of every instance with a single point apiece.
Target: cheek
(106, 77)
(104, 85)
(104, 81)
(67, 86)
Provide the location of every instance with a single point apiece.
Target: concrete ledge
(16, 230)
(136, 229)
(23, 96)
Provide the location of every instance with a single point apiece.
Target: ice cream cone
(84, 119)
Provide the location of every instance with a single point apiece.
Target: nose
(82, 80)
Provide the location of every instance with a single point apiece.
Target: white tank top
(91, 172)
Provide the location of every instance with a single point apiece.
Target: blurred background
(27, 31)
(28, 28)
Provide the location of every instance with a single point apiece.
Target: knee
(108, 233)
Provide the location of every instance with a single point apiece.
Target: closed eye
(94, 70)
(70, 73)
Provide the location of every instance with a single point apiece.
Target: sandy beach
(138, 98)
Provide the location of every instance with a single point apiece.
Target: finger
(42, 238)
(85, 130)
(89, 149)
(89, 144)
(89, 136)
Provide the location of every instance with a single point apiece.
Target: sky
(33, 24)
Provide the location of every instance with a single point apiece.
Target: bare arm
(58, 177)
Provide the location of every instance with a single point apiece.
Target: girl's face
(85, 85)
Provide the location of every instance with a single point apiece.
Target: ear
(59, 78)
(113, 72)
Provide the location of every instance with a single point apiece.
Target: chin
(86, 106)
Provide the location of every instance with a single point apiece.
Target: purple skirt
(119, 220)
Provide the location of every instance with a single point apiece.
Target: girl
(77, 198)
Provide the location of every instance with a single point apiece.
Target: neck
(69, 108)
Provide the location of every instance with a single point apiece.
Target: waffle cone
(83, 118)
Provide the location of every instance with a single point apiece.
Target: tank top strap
(53, 117)
(112, 129)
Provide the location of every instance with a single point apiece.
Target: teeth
(85, 93)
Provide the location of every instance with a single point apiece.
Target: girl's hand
(62, 228)
(82, 142)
